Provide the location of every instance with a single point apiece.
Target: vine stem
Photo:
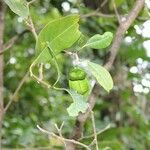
(60, 133)
(99, 132)
(37, 78)
(31, 26)
(94, 128)
(31, 2)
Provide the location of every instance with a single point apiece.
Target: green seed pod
(77, 74)
(78, 81)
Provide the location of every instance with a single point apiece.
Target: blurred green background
(126, 107)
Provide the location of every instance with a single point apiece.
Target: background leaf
(100, 41)
(19, 7)
(61, 33)
(102, 75)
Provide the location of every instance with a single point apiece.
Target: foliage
(126, 108)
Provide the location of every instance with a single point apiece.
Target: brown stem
(2, 13)
(123, 27)
(11, 42)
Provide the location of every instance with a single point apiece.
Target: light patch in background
(73, 1)
(43, 10)
(142, 86)
(20, 19)
(146, 29)
(147, 76)
(12, 60)
(139, 60)
(138, 88)
(11, 74)
(134, 69)
(47, 66)
(138, 29)
(145, 90)
(31, 51)
(65, 6)
(147, 3)
(74, 10)
(146, 45)
(146, 83)
(128, 39)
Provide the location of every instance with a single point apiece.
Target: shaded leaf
(19, 7)
(100, 41)
(102, 75)
(79, 104)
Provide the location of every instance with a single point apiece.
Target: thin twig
(9, 44)
(16, 91)
(47, 85)
(98, 133)
(104, 3)
(107, 148)
(60, 134)
(12, 41)
(31, 26)
(31, 2)
(61, 138)
(92, 143)
(116, 11)
(97, 13)
(94, 128)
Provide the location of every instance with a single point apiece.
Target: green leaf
(102, 75)
(79, 104)
(100, 41)
(19, 7)
(61, 34)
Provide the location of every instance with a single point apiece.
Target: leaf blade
(100, 41)
(102, 75)
(19, 7)
(61, 33)
(79, 104)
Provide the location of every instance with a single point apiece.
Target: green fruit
(77, 74)
(80, 86)
(78, 81)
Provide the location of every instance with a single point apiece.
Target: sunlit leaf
(61, 34)
(102, 76)
(100, 41)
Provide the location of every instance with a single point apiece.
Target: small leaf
(102, 75)
(100, 41)
(61, 34)
(19, 7)
(79, 104)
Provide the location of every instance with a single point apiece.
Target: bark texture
(2, 12)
